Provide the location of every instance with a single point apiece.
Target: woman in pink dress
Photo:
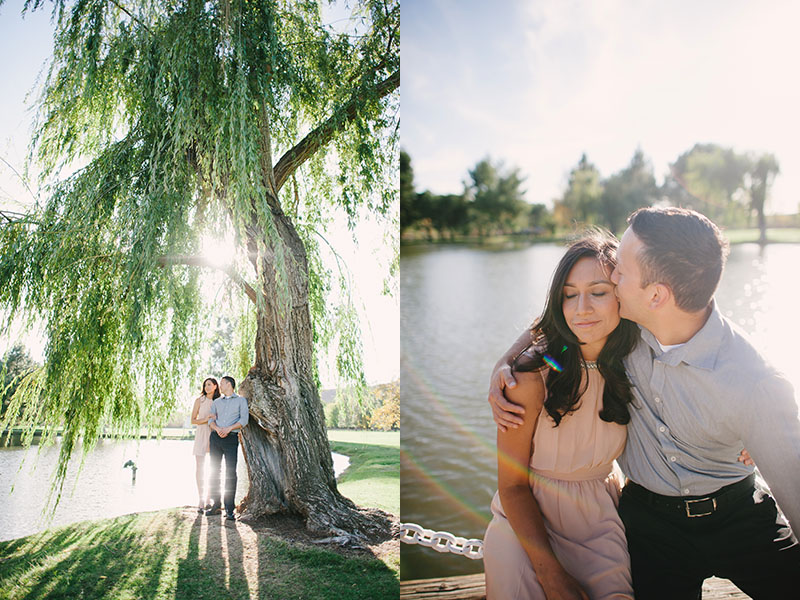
(555, 531)
(200, 413)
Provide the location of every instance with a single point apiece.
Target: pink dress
(203, 433)
(578, 495)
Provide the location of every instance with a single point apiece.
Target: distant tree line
(492, 203)
(378, 410)
(731, 188)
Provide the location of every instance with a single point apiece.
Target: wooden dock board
(471, 587)
(464, 587)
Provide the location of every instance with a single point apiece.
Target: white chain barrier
(441, 541)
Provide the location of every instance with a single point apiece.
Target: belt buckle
(688, 503)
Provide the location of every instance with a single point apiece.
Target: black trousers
(744, 540)
(226, 447)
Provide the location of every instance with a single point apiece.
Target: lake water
(461, 308)
(164, 478)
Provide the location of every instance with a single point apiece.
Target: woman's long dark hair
(554, 345)
(216, 387)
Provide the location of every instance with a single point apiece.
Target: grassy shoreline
(176, 554)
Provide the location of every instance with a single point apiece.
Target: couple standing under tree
(633, 360)
(219, 414)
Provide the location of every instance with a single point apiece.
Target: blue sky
(537, 83)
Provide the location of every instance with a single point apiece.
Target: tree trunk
(285, 443)
(762, 226)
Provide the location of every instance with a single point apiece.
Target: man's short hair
(230, 380)
(682, 249)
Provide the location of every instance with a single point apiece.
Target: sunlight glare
(218, 251)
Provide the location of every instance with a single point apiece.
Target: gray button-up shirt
(229, 410)
(698, 405)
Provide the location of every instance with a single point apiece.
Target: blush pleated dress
(572, 481)
(203, 433)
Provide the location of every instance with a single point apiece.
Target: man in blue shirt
(229, 413)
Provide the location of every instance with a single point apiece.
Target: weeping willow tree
(189, 118)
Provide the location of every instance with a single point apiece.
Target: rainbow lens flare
(552, 363)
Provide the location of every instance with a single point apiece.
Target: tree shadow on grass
(189, 583)
(89, 562)
(239, 586)
(212, 576)
(203, 578)
(135, 556)
(33, 549)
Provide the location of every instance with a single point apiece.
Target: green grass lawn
(373, 438)
(176, 554)
(373, 477)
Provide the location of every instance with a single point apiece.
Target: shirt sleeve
(771, 434)
(212, 417)
(244, 411)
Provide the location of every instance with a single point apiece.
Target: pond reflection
(104, 488)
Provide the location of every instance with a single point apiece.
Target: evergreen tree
(631, 188)
(497, 197)
(581, 200)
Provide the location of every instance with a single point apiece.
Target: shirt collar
(702, 348)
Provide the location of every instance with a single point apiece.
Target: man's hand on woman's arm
(505, 413)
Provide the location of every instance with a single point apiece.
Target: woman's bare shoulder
(529, 391)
